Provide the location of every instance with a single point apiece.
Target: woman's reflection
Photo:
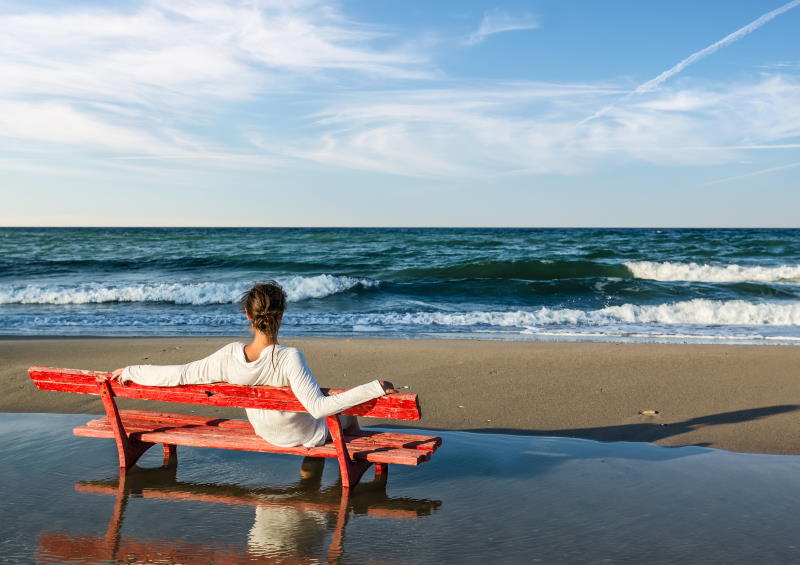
(291, 522)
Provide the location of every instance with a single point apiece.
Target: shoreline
(735, 397)
(487, 337)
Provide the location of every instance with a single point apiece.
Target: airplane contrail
(754, 173)
(652, 84)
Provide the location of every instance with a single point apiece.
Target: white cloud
(148, 88)
(681, 101)
(143, 80)
(52, 122)
(498, 22)
(532, 128)
(780, 66)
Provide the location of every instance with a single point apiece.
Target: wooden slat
(171, 418)
(181, 492)
(59, 547)
(391, 439)
(238, 439)
(200, 437)
(177, 493)
(397, 406)
(363, 437)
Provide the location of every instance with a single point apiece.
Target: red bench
(135, 431)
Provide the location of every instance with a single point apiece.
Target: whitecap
(690, 312)
(297, 288)
(671, 271)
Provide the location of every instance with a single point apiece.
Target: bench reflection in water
(291, 524)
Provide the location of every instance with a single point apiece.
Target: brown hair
(264, 304)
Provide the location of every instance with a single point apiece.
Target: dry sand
(740, 398)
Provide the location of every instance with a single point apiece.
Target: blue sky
(372, 113)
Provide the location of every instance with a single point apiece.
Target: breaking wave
(691, 312)
(669, 271)
(692, 319)
(297, 288)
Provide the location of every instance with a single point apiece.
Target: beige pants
(349, 422)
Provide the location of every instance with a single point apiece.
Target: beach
(562, 234)
(734, 397)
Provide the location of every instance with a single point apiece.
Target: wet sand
(739, 398)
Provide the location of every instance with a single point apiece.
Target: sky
(551, 113)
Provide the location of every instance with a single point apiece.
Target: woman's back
(264, 363)
(277, 365)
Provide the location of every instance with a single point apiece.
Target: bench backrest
(398, 406)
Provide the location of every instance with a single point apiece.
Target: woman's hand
(116, 375)
(388, 388)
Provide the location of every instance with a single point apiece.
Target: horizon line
(657, 227)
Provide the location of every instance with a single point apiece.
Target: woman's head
(264, 305)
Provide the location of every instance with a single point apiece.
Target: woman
(264, 362)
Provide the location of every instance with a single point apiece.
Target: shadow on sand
(651, 431)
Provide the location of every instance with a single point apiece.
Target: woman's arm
(306, 389)
(211, 369)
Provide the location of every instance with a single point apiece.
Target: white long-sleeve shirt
(289, 368)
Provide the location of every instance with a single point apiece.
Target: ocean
(663, 285)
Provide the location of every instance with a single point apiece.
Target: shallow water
(482, 498)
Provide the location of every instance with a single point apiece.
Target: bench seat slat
(397, 406)
(195, 437)
(198, 435)
(186, 492)
(361, 438)
(408, 441)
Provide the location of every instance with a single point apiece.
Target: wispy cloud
(174, 85)
(754, 173)
(53, 122)
(780, 66)
(148, 80)
(654, 83)
(498, 21)
(530, 128)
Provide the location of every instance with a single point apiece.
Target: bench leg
(111, 537)
(355, 470)
(170, 455)
(381, 471)
(351, 471)
(337, 538)
(129, 450)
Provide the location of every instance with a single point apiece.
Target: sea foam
(671, 271)
(690, 312)
(297, 288)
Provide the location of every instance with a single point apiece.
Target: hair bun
(264, 304)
